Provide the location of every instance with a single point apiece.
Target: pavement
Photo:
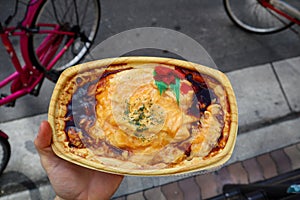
(268, 143)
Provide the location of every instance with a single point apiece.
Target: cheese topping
(147, 117)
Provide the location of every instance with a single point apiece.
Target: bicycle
(54, 35)
(262, 16)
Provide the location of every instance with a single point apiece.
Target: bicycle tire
(251, 16)
(5, 153)
(80, 17)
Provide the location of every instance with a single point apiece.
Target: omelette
(143, 116)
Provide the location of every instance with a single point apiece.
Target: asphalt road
(204, 21)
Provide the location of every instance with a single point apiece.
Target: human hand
(71, 181)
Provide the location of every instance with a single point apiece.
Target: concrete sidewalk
(258, 169)
(269, 105)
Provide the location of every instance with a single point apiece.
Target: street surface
(204, 21)
(263, 69)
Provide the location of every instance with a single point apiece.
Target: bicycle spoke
(79, 17)
(69, 9)
(76, 12)
(84, 14)
(276, 16)
(252, 15)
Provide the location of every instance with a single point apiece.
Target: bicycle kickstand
(36, 90)
(9, 104)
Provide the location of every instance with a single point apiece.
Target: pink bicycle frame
(27, 77)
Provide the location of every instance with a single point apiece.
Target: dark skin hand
(71, 181)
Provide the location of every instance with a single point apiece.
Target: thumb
(43, 145)
(43, 139)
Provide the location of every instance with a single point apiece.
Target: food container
(146, 116)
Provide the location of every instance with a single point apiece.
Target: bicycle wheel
(4, 153)
(251, 16)
(78, 17)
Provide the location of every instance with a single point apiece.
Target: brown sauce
(86, 117)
